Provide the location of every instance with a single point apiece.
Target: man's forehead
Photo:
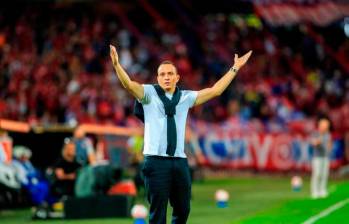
(167, 68)
(324, 121)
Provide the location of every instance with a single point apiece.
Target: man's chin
(166, 88)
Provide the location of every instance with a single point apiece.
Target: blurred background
(63, 108)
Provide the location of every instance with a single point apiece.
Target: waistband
(163, 157)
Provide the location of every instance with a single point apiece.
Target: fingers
(246, 57)
(248, 54)
(240, 61)
(113, 54)
(112, 49)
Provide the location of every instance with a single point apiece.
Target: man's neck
(69, 158)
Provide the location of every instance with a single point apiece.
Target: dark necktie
(170, 110)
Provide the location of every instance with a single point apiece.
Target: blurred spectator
(62, 73)
(5, 147)
(135, 148)
(10, 186)
(8, 173)
(322, 146)
(31, 180)
(85, 153)
(65, 170)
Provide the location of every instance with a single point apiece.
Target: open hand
(114, 55)
(239, 62)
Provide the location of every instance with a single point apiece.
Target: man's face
(70, 149)
(167, 76)
(324, 125)
(79, 133)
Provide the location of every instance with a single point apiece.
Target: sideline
(327, 211)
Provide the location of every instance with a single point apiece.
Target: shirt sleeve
(190, 97)
(314, 135)
(59, 163)
(148, 91)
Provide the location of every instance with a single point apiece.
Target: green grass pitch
(252, 200)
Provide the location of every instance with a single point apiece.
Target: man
(135, 148)
(31, 179)
(65, 170)
(85, 153)
(5, 147)
(322, 145)
(166, 172)
(9, 183)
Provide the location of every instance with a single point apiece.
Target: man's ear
(178, 77)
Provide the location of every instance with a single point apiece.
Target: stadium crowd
(55, 66)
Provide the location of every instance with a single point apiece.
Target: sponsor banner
(272, 152)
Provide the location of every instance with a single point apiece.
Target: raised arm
(206, 94)
(132, 87)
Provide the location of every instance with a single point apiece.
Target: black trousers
(167, 179)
